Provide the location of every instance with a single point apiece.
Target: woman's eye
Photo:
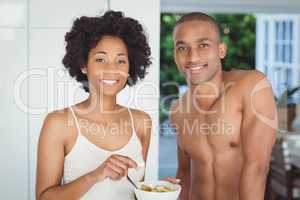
(101, 60)
(121, 61)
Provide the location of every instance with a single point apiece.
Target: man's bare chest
(215, 131)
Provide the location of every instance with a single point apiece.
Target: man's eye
(182, 49)
(203, 45)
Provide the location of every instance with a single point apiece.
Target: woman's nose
(111, 65)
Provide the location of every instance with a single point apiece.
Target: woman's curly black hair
(86, 32)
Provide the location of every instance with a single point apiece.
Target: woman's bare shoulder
(142, 122)
(140, 115)
(57, 124)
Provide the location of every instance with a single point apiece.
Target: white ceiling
(233, 6)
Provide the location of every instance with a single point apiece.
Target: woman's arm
(50, 162)
(143, 127)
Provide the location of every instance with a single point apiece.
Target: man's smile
(196, 68)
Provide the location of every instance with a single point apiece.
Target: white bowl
(145, 195)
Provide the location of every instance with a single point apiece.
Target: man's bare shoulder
(253, 85)
(244, 76)
(245, 80)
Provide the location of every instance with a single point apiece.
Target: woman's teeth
(108, 82)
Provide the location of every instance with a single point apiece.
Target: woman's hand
(115, 167)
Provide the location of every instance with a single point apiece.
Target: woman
(87, 150)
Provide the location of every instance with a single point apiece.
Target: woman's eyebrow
(100, 52)
(121, 54)
(103, 52)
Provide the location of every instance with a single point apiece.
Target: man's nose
(193, 55)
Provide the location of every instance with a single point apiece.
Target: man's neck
(204, 95)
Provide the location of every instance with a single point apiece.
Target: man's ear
(222, 50)
(175, 56)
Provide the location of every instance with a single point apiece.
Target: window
(266, 41)
(278, 46)
(283, 41)
(289, 79)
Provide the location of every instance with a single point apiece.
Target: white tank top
(86, 156)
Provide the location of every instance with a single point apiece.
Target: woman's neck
(101, 104)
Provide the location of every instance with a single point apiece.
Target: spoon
(129, 179)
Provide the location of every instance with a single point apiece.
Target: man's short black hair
(86, 32)
(194, 16)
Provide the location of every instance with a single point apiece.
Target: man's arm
(259, 124)
(183, 173)
(183, 170)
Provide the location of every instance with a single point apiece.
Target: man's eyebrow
(198, 40)
(179, 42)
(203, 39)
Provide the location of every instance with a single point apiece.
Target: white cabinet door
(13, 119)
(55, 13)
(15, 20)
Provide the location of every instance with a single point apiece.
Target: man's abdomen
(227, 169)
(218, 180)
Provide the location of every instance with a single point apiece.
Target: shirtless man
(225, 122)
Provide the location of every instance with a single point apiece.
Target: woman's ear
(83, 70)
